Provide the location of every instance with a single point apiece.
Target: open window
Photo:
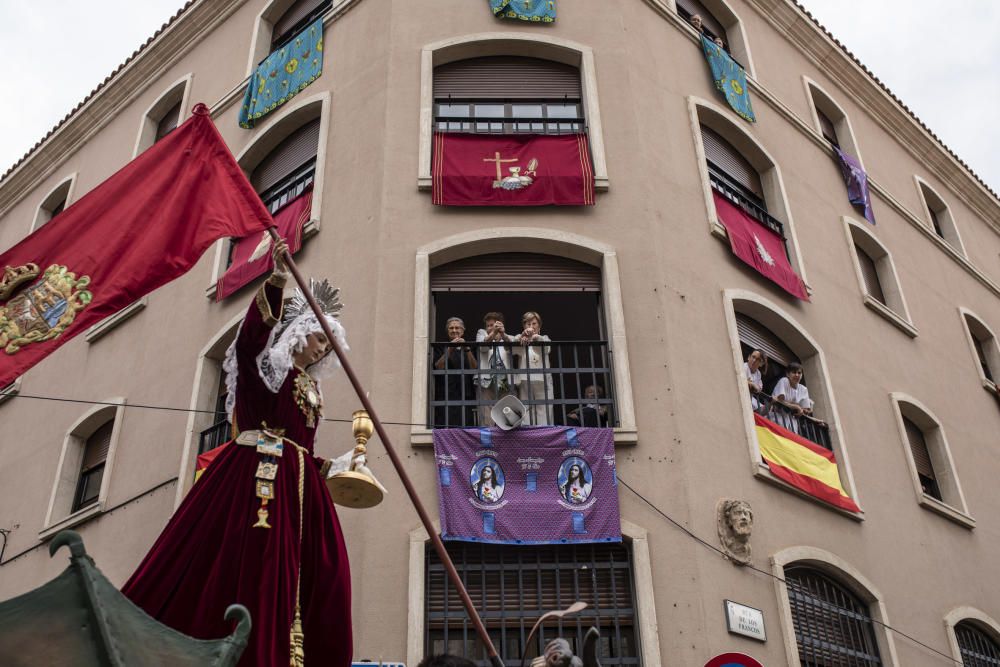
(279, 22)
(939, 216)
(289, 168)
(163, 115)
(928, 455)
(719, 20)
(830, 120)
(985, 349)
(57, 199)
(877, 278)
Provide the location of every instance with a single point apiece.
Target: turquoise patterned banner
(729, 78)
(539, 11)
(283, 74)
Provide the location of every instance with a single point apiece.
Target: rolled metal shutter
(293, 15)
(712, 26)
(759, 337)
(870, 274)
(516, 272)
(918, 447)
(96, 450)
(723, 155)
(301, 146)
(507, 78)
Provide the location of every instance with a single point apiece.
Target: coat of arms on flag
(43, 310)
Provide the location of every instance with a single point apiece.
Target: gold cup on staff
(357, 487)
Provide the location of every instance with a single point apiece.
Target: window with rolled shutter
(289, 168)
(712, 27)
(721, 154)
(833, 627)
(978, 649)
(512, 586)
(169, 121)
(295, 18)
(758, 337)
(921, 458)
(95, 454)
(869, 272)
(516, 272)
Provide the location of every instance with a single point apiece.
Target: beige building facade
(899, 342)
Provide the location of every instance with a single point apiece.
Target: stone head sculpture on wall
(735, 523)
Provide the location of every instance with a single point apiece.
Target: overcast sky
(55, 52)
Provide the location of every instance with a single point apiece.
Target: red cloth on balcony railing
(759, 247)
(512, 170)
(290, 220)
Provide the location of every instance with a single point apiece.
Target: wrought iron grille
(499, 117)
(512, 586)
(289, 187)
(832, 626)
(977, 649)
(753, 205)
(555, 392)
(214, 436)
(279, 41)
(812, 429)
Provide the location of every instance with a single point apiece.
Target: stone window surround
(730, 20)
(769, 313)
(265, 138)
(63, 191)
(895, 309)
(991, 348)
(953, 505)
(946, 220)
(642, 574)
(205, 384)
(58, 515)
(847, 576)
(820, 100)
(263, 27)
(178, 91)
(521, 239)
(535, 45)
(727, 125)
(980, 619)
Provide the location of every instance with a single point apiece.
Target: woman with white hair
(259, 528)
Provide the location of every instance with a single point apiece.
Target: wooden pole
(425, 518)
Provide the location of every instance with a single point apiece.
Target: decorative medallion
(516, 180)
(43, 310)
(307, 397)
(762, 251)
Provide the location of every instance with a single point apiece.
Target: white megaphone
(508, 412)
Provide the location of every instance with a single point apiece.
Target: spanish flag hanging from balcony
(512, 170)
(803, 464)
(759, 246)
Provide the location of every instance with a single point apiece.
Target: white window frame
(951, 237)
(821, 391)
(59, 515)
(971, 615)
(536, 45)
(521, 239)
(723, 12)
(62, 192)
(642, 574)
(952, 505)
(263, 27)
(822, 101)
(847, 576)
(178, 91)
(265, 138)
(729, 127)
(895, 309)
(991, 348)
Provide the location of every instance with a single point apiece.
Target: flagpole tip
(200, 109)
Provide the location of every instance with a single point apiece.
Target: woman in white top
(794, 396)
(755, 364)
(493, 383)
(535, 386)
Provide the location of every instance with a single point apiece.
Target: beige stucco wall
(692, 445)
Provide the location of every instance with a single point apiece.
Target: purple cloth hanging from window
(857, 183)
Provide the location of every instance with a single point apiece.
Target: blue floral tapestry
(539, 11)
(729, 78)
(283, 74)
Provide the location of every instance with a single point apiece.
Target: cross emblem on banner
(499, 161)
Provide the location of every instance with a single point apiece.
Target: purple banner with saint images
(530, 485)
(857, 183)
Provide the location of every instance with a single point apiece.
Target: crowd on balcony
(788, 404)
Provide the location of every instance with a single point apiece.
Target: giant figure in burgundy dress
(273, 545)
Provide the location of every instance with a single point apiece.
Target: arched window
(832, 625)
(985, 349)
(831, 120)
(978, 649)
(95, 455)
(877, 277)
(54, 202)
(508, 95)
(939, 216)
(288, 169)
(719, 20)
(295, 18)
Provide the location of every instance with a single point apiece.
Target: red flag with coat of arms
(143, 227)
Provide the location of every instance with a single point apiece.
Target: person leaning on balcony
(755, 364)
(592, 413)
(496, 359)
(534, 386)
(453, 357)
(791, 393)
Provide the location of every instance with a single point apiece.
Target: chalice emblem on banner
(516, 180)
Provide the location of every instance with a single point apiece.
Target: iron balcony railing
(215, 435)
(812, 429)
(555, 391)
(289, 187)
(300, 25)
(509, 125)
(751, 204)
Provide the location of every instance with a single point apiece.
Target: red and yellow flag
(803, 464)
(205, 460)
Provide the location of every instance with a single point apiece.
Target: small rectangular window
(95, 454)
(870, 274)
(922, 459)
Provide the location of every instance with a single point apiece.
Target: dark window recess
(512, 586)
(832, 626)
(829, 132)
(95, 454)
(516, 271)
(756, 336)
(936, 222)
(870, 274)
(977, 648)
(295, 19)
(922, 459)
(220, 432)
(721, 153)
(508, 95)
(169, 121)
(712, 27)
(288, 169)
(58, 208)
(981, 353)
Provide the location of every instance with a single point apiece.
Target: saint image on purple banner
(530, 485)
